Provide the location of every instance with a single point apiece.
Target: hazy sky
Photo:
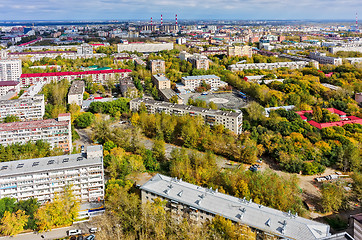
(186, 9)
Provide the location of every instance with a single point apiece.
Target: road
(53, 234)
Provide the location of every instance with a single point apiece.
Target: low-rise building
(193, 82)
(231, 120)
(357, 226)
(345, 49)
(322, 58)
(7, 86)
(97, 76)
(27, 109)
(157, 66)
(42, 178)
(201, 204)
(55, 131)
(76, 91)
(127, 88)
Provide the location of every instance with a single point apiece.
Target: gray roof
(199, 77)
(239, 210)
(28, 166)
(187, 108)
(161, 77)
(77, 87)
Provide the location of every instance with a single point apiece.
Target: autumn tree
(13, 223)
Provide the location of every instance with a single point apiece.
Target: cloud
(144, 9)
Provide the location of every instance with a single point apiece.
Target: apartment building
(27, 109)
(199, 204)
(157, 66)
(6, 86)
(322, 58)
(10, 69)
(3, 54)
(240, 51)
(97, 76)
(85, 49)
(161, 81)
(55, 131)
(192, 82)
(144, 47)
(42, 178)
(292, 65)
(37, 56)
(345, 49)
(199, 61)
(231, 120)
(76, 91)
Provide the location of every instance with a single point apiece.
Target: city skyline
(143, 10)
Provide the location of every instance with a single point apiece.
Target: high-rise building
(10, 69)
(42, 178)
(76, 91)
(157, 66)
(57, 132)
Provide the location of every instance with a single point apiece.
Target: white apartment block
(345, 49)
(76, 91)
(322, 58)
(37, 56)
(192, 82)
(161, 81)
(27, 109)
(85, 49)
(231, 120)
(144, 47)
(199, 204)
(3, 54)
(57, 132)
(97, 76)
(6, 86)
(42, 178)
(292, 65)
(10, 69)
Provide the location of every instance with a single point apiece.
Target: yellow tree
(13, 223)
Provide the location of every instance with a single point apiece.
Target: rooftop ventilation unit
(20, 165)
(35, 164)
(268, 223)
(79, 158)
(4, 167)
(50, 162)
(180, 193)
(65, 160)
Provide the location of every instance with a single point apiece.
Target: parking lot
(222, 100)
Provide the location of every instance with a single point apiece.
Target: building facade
(144, 47)
(192, 82)
(85, 49)
(98, 76)
(57, 132)
(10, 69)
(161, 81)
(42, 178)
(76, 91)
(27, 109)
(240, 51)
(231, 120)
(292, 65)
(6, 86)
(322, 58)
(199, 204)
(157, 66)
(199, 61)
(357, 226)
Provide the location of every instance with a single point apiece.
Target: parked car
(93, 230)
(259, 161)
(80, 237)
(90, 237)
(74, 232)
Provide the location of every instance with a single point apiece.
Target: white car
(74, 232)
(93, 230)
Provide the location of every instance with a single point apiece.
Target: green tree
(333, 197)
(84, 120)
(11, 118)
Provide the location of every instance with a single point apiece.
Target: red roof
(33, 41)
(336, 111)
(29, 75)
(8, 83)
(97, 44)
(63, 114)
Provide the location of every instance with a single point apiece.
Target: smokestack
(356, 21)
(176, 19)
(151, 21)
(161, 20)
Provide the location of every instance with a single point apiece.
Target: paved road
(53, 234)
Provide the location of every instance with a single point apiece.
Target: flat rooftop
(200, 77)
(76, 88)
(54, 163)
(6, 127)
(246, 212)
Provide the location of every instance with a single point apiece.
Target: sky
(186, 9)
